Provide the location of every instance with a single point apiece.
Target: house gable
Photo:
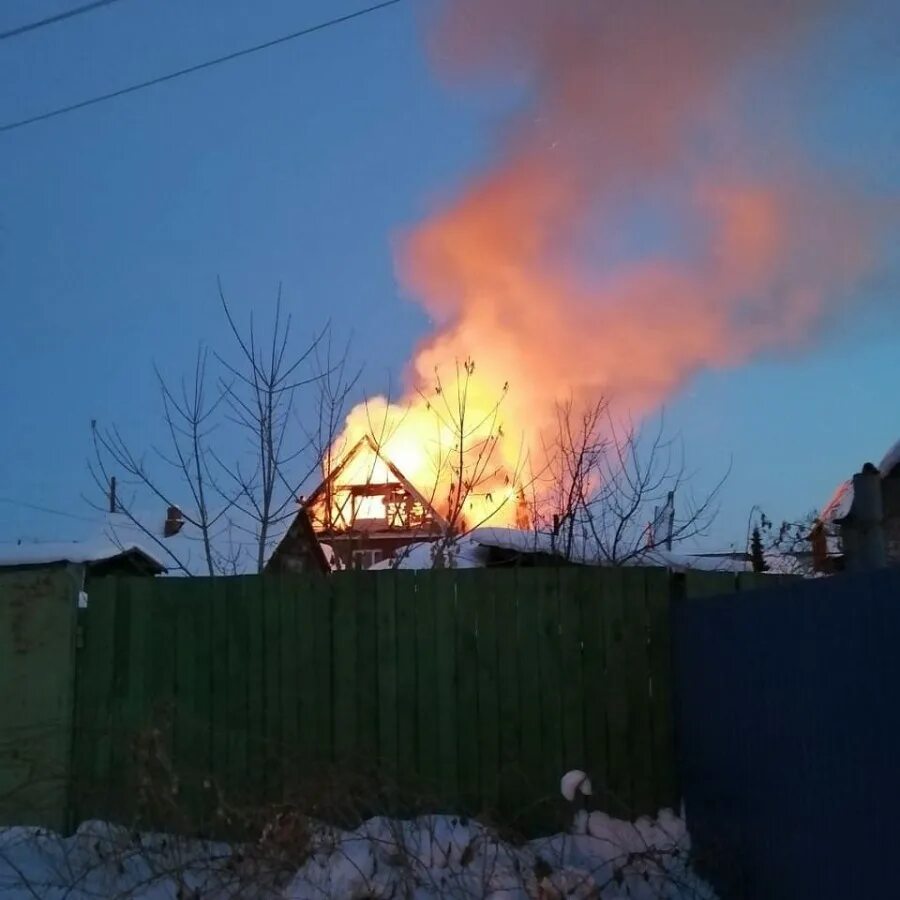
(366, 508)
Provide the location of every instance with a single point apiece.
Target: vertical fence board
(306, 731)
(511, 787)
(367, 671)
(488, 702)
(617, 663)
(547, 587)
(96, 695)
(188, 747)
(596, 683)
(467, 692)
(405, 600)
(386, 628)
(528, 647)
(271, 609)
(219, 686)
(445, 711)
(238, 719)
(426, 681)
(290, 677)
(323, 617)
(256, 683)
(572, 692)
(309, 683)
(344, 648)
(640, 734)
(661, 710)
(203, 610)
(133, 669)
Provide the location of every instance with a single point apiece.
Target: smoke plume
(622, 107)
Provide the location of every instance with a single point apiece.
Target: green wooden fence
(474, 690)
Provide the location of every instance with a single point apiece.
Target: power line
(10, 126)
(45, 509)
(52, 20)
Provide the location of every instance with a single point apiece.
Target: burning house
(366, 509)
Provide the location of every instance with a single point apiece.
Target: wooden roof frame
(367, 441)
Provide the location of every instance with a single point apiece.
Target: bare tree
(464, 451)
(607, 490)
(237, 453)
(261, 393)
(189, 420)
(787, 548)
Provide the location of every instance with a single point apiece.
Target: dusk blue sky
(300, 165)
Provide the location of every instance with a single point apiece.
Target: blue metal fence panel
(789, 736)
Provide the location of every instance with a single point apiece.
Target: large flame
(529, 271)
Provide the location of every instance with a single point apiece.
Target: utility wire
(10, 126)
(45, 509)
(52, 20)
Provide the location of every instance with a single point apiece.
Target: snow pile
(422, 859)
(440, 856)
(102, 860)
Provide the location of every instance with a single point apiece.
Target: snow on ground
(422, 859)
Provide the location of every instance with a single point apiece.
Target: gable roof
(367, 443)
(299, 536)
(78, 552)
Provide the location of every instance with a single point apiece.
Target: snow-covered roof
(891, 461)
(472, 551)
(37, 554)
(838, 507)
(185, 551)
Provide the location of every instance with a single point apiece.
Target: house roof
(841, 502)
(471, 551)
(78, 552)
(300, 533)
(367, 443)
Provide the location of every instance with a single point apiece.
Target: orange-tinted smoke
(619, 101)
(619, 93)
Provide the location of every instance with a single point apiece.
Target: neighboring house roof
(839, 506)
(473, 550)
(185, 552)
(299, 548)
(79, 552)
